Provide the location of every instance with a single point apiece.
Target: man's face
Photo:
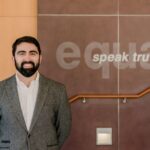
(27, 59)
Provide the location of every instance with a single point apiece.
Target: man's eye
(21, 53)
(33, 53)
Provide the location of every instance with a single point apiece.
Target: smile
(27, 65)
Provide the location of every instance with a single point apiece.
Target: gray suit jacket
(51, 121)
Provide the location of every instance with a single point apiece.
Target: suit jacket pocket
(5, 145)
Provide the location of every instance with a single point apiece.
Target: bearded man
(34, 111)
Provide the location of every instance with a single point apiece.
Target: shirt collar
(20, 83)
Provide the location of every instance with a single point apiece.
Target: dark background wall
(82, 28)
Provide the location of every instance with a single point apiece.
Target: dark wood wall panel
(81, 23)
(134, 7)
(135, 31)
(86, 118)
(135, 124)
(77, 7)
(81, 31)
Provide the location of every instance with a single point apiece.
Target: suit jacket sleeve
(63, 122)
(1, 96)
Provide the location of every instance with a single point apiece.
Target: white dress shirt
(27, 98)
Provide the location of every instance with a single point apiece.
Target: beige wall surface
(17, 18)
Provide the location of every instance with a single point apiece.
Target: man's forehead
(26, 46)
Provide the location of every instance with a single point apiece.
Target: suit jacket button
(29, 135)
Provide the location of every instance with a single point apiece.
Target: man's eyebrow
(21, 51)
(33, 51)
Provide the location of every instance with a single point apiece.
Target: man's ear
(40, 59)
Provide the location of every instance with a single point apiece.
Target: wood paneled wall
(17, 18)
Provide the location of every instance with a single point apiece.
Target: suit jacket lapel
(42, 92)
(12, 93)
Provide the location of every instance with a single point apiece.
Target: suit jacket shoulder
(3, 84)
(9, 79)
(52, 84)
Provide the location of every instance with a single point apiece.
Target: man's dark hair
(27, 39)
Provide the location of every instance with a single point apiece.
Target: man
(34, 111)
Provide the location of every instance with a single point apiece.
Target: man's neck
(26, 80)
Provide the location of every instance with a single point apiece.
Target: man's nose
(27, 57)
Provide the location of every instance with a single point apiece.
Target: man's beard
(27, 72)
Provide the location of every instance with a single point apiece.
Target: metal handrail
(112, 96)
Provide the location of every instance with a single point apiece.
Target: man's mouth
(27, 65)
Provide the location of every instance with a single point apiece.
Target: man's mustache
(27, 62)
